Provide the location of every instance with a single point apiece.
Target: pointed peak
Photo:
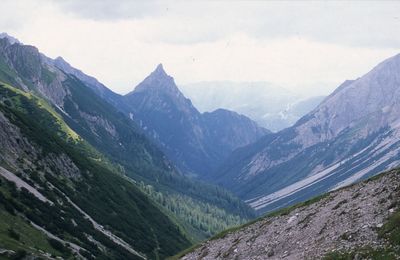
(160, 67)
(157, 81)
(160, 70)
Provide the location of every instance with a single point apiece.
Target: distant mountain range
(272, 107)
(351, 135)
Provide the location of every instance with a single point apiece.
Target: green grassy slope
(106, 196)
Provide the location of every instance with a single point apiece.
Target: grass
(16, 234)
(363, 253)
(46, 106)
(391, 229)
(16, 90)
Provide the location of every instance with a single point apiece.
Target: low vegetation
(106, 196)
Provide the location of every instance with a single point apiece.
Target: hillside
(55, 181)
(352, 135)
(361, 221)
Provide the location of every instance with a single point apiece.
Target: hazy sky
(297, 45)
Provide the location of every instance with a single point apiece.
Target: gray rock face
(34, 72)
(344, 220)
(373, 98)
(352, 134)
(366, 105)
(28, 70)
(20, 153)
(91, 82)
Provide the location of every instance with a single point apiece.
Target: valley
(59, 137)
(199, 130)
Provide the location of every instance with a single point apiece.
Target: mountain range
(85, 176)
(88, 173)
(272, 107)
(193, 141)
(351, 135)
(196, 142)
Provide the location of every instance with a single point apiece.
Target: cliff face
(358, 220)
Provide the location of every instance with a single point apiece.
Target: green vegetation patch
(16, 234)
(107, 197)
(363, 253)
(15, 96)
(391, 229)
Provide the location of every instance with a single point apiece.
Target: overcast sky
(297, 45)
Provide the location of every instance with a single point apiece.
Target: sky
(308, 47)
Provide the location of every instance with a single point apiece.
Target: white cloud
(197, 42)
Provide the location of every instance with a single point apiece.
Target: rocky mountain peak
(159, 70)
(158, 81)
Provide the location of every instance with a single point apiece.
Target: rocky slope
(189, 138)
(352, 134)
(356, 222)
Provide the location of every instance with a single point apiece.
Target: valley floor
(362, 220)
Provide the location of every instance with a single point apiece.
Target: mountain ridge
(181, 131)
(271, 106)
(119, 146)
(333, 143)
